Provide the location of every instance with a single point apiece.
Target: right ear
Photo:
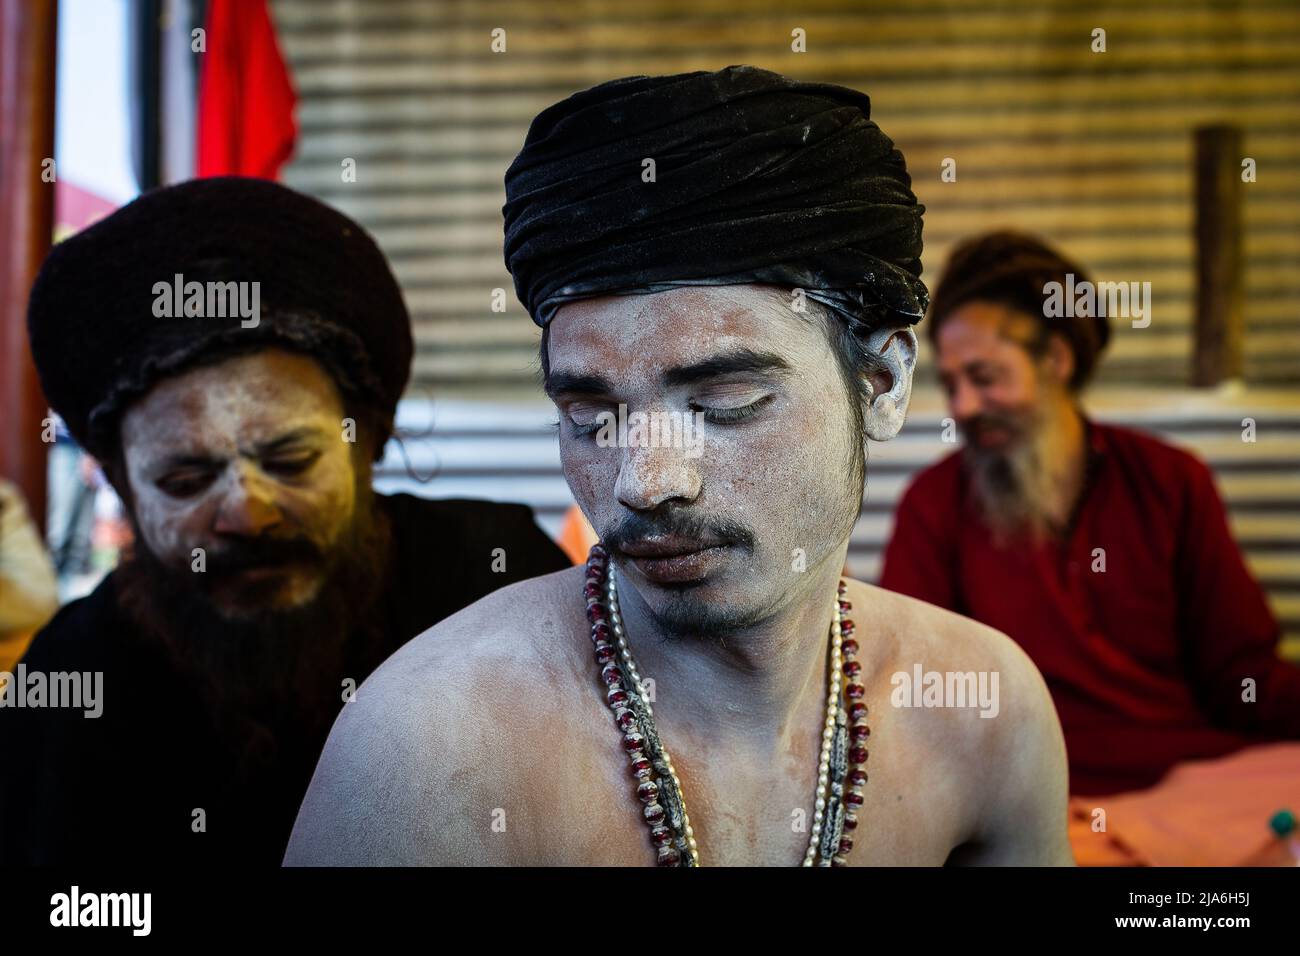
(1061, 356)
(896, 347)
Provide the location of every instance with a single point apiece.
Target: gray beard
(1013, 488)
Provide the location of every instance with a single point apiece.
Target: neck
(753, 688)
(1064, 455)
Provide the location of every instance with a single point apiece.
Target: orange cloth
(12, 649)
(576, 535)
(1204, 813)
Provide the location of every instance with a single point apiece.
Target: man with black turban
(726, 267)
(233, 353)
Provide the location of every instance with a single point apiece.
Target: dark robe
(122, 788)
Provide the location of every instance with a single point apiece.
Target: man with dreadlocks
(1103, 551)
(735, 254)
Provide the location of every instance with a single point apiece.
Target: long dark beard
(277, 673)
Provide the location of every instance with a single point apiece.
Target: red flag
(246, 99)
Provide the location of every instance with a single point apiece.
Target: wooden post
(27, 49)
(1217, 350)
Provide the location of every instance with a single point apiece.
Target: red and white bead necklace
(841, 773)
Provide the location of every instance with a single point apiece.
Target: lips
(261, 572)
(674, 560)
(992, 437)
(666, 546)
(251, 581)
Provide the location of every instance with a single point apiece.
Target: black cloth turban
(759, 179)
(325, 290)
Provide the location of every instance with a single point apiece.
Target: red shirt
(1145, 660)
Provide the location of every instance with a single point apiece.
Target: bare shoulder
(969, 698)
(518, 623)
(912, 632)
(426, 748)
(975, 679)
(465, 664)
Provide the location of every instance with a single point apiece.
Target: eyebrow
(727, 363)
(265, 448)
(568, 383)
(733, 362)
(287, 439)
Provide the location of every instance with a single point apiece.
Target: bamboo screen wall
(1093, 150)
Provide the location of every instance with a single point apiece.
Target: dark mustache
(262, 552)
(718, 531)
(986, 420)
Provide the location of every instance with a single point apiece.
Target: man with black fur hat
(726, 266)
(233, 353)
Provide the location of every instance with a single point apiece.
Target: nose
(650, 476)
(965, 400)
(248, 507)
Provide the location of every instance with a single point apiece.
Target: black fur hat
(108, 316)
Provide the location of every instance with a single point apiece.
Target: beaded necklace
(841, 773)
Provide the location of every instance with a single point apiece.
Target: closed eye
(185, 484)
(730, 416)
(290, 465)
(584, 418)
(589, 428)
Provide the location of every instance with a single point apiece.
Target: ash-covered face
(246, 460)
(717, 536)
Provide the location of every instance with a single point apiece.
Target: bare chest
(583, 808)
